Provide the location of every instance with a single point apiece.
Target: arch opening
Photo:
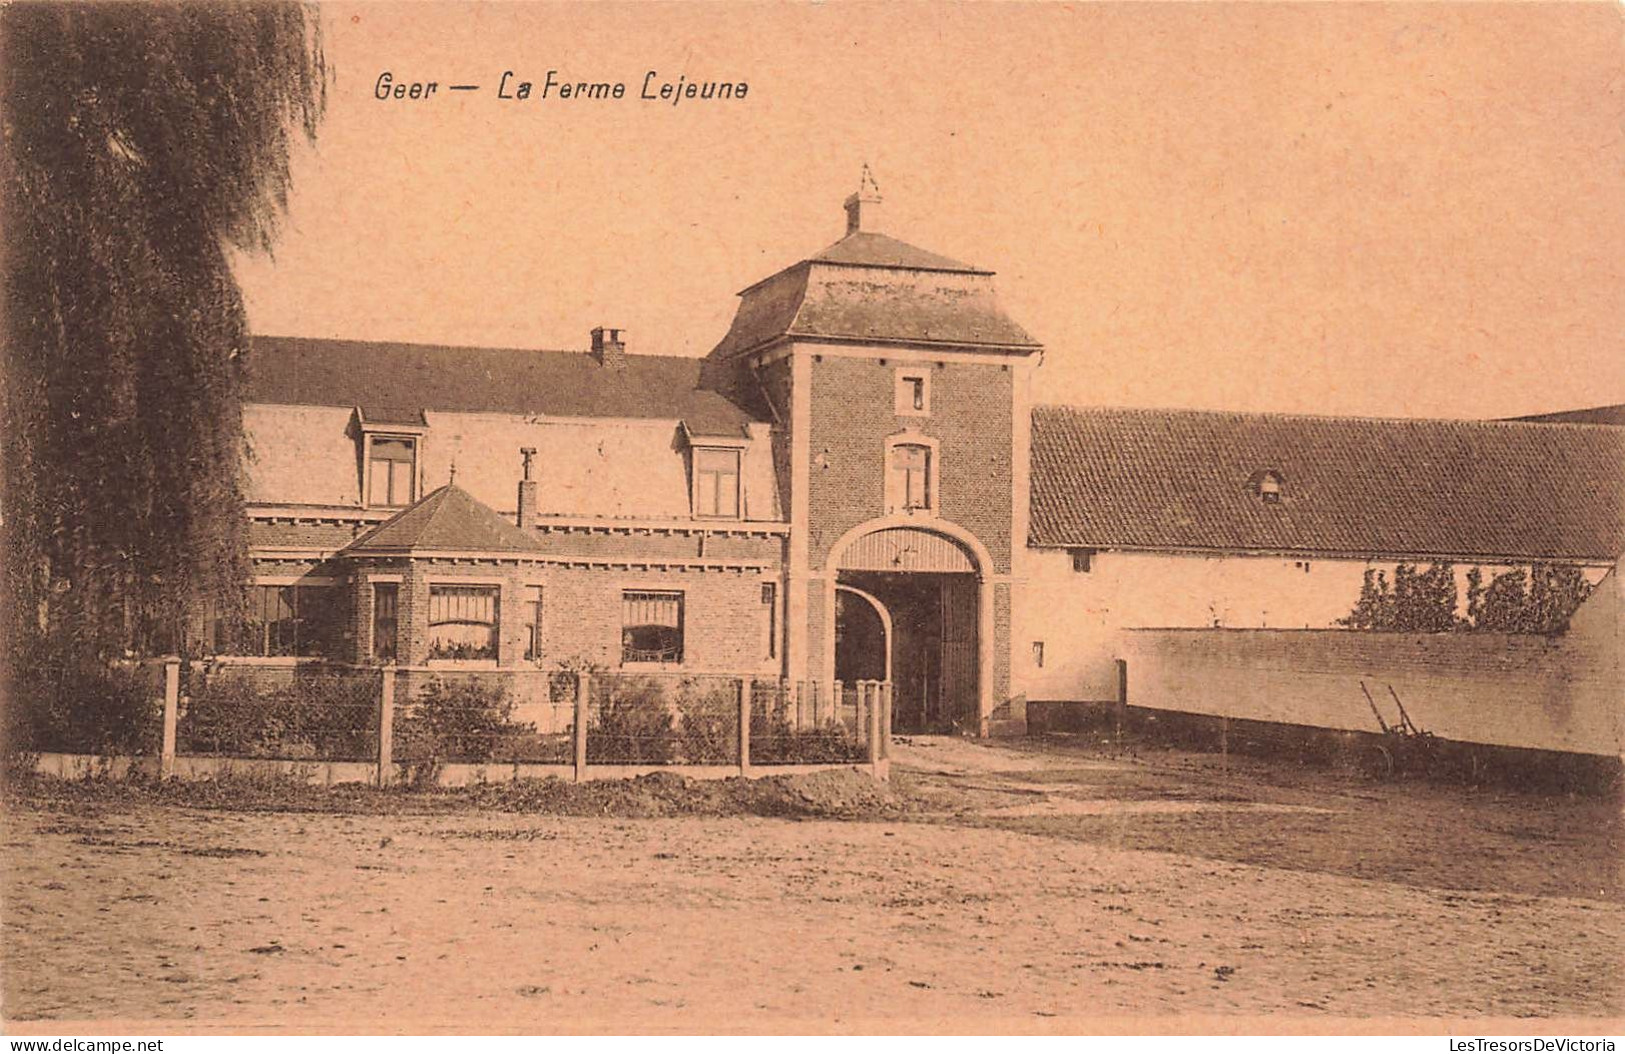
(929, 583)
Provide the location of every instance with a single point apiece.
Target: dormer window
(716, 483)
(392, 470)
(1269, 488)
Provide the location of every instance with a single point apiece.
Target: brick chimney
(609, 348)
(526, 517)
(863, 208)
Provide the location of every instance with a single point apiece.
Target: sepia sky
(1405, 210)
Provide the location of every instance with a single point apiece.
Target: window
(1269, 487)
(300, 621)
(716, 483)
(651, 627)
(386, 598)
(533, 622)
(911, 476)
(463, 622)
(770, 601)
(392, 471)
(1082, 560)
(913, 393)
(1038, 654)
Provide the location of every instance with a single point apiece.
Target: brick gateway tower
(899, 391)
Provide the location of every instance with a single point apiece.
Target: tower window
(911, 476)
(913, 393)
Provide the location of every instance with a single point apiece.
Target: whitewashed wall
(1078, 615)
(608, 468)
(301, 454)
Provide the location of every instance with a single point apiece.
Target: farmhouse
(855, 483)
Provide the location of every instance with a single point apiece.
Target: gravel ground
(1039, 886)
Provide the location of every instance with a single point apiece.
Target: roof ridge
(440, 347)
(1286, 415)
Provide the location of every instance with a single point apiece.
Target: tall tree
(143, 142)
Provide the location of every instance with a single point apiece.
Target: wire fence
(484, 717)
(793, 722)
(424, 718)
(654, 719)
(292, 713)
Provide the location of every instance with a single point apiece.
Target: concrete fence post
(172, 704)
(386, 727)
(885, 720)
(1120, 711)
(579, 736)
(747, 688)
(871, 689)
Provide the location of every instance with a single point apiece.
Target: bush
(708, 733)
(466, 719)
(631, 724)
(774, 742)
(320, 714)
(80, 709)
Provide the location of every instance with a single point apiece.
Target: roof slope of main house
(395, 382)
(1188, 480)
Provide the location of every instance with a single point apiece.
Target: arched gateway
(927, 580)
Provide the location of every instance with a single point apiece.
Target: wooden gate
(958, 696)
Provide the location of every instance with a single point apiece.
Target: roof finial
(452, 482)
(863, 208)
(866, 182)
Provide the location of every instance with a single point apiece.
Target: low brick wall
(1559, 693)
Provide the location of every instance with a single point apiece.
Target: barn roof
(396, 382)
(1179, 479)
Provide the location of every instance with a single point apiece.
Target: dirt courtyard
(1031, 886)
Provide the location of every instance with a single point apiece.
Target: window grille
(651, 627)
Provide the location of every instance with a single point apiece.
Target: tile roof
(872, 249)
(1174, 479)
(873, 288)
(270, 534)
(394, 382)
(446, 519)
(1596, 415)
